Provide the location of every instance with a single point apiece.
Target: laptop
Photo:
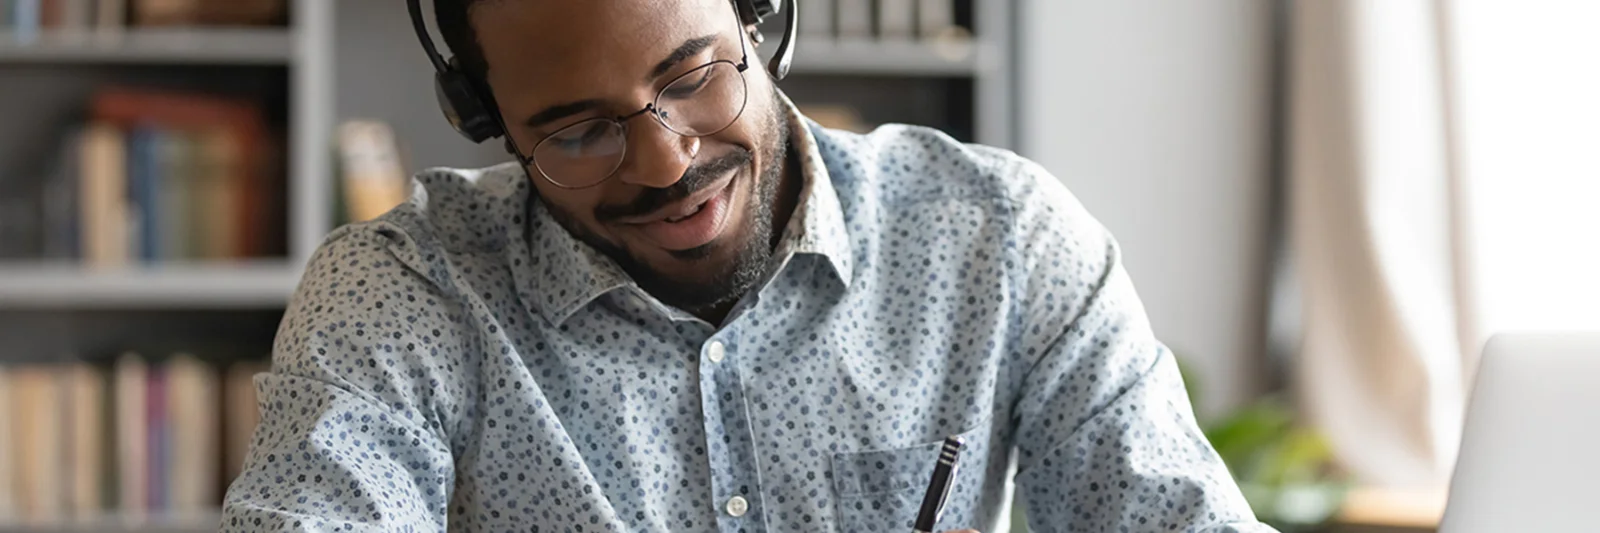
(1530, 449)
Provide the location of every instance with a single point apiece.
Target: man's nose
(657, 157)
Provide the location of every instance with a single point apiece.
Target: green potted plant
(1285, 469)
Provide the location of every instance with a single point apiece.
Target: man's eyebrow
(558, 112)
(686, 50)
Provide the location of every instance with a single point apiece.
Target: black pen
(944, 474)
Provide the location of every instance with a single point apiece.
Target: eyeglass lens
(700, 102)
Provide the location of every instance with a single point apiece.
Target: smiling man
(686, 307)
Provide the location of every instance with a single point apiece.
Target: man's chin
(699, 266)
(691, 284)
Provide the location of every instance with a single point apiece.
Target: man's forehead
(577, 24)
(522, 39)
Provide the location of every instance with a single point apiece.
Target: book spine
(935, 18)
(897, 19)
(110, 16)
(132, 440)
(25, 20)
(855, 19)
(816, 19)
(158, 438)
(144, 182)
(8, 507)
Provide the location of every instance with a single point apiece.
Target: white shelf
(208, 521)
(232, 46)
(887, 58)
(229, 285)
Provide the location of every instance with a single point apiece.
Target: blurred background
(1327, 206)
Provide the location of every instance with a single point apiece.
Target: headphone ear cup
(754, 11)
(462, 107)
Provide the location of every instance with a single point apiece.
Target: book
(840, 117)
(936, 19)
(110, 16)
(853, 19)
(177, 220)
(241, 414)
(218, 189)
(8, 507)
(158, 440)
(816, 19)
(36, 445)
(26, 18)
(86, 440)
(133, 437)
(374, 179)
(897, 19)
(208, 12)
(192, 403)
(248, 198)
(130, 426)
(145, 183)
(72, 16)
(103, 192)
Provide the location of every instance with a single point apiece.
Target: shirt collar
(564, 274)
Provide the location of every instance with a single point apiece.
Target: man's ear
(755, 35)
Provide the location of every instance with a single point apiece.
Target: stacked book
(136, 437)
(25, 20)
(155, 177)
(885, 20)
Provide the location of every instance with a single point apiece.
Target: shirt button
(716, 352)
(737, 506)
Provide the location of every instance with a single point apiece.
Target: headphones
(472, 112)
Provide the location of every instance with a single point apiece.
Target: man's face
(554, 63)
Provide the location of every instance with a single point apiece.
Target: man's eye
(685, 88)
(578, 139)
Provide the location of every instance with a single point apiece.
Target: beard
(753, 250)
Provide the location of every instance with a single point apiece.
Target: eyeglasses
(700, 102)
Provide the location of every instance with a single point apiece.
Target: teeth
(690, 214)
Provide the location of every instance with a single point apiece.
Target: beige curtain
(1376, 235)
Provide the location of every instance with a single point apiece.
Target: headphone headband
(470, 109)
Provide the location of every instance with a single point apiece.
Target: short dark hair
(451, 17)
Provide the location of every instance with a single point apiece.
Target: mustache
(694, 179)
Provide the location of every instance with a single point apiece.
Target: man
(693, 309)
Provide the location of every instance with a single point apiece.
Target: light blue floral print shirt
(453, 366)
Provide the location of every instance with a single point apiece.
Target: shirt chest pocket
(882, 490)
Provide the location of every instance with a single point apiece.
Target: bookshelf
(65, 285)
(157, 46)
(300, 50)
(967, 71)
(876, 58)
(70, 315)
(196, 523)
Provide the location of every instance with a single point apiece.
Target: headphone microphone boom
(470, 109)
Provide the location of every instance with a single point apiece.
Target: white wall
(1155, 114)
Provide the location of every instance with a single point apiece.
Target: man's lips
(684, 207)
(700, 226)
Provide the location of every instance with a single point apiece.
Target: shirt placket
(735, 485)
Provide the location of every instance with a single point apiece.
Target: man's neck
(790, 183)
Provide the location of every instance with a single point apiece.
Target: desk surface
(1377, 510)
